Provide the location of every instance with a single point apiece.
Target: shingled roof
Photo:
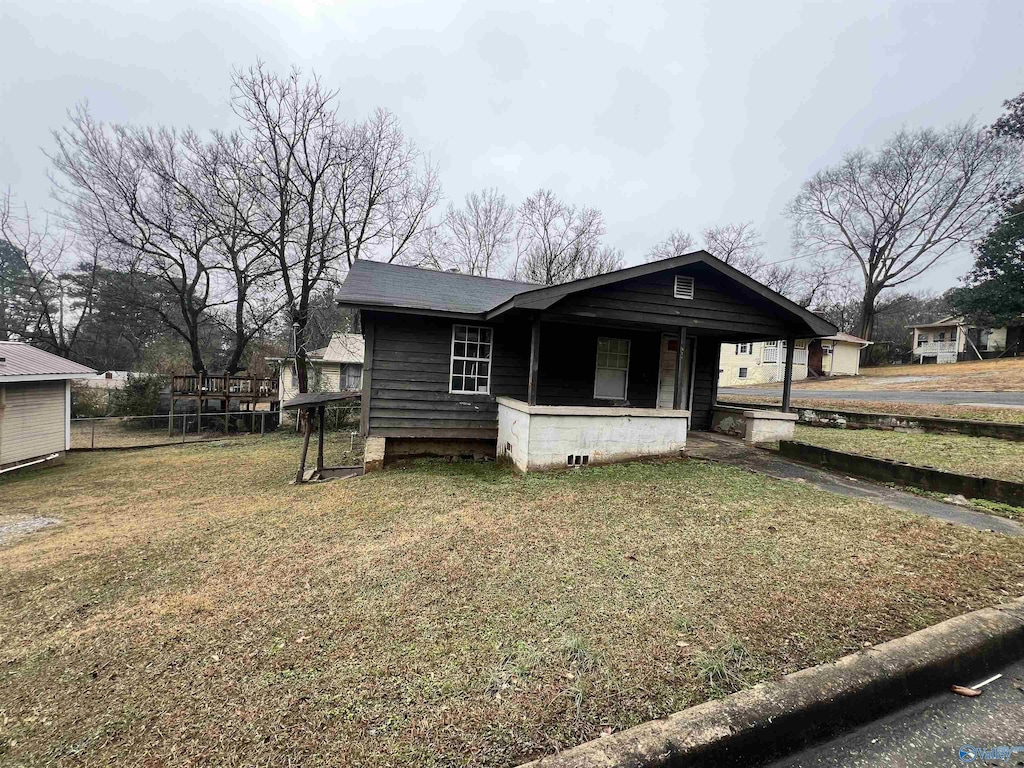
(375, 284)
(21, 362)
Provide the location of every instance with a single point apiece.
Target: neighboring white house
(764, 362)
(951, 339)
(35, 405)
(334, 368)
(760, 362)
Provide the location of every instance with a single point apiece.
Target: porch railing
(771, 355)
(935, 348)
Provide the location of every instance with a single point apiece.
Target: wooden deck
(218, 387)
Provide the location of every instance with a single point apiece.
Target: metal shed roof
(22, 362)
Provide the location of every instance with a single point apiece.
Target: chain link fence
(342, 443)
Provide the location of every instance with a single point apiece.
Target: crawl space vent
(577, 460)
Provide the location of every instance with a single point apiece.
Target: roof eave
(361, 305)
(545, 296)
(25, 377)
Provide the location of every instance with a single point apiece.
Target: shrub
(140, 396)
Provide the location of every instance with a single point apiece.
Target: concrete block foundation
(539, 437)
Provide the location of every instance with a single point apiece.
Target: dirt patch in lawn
(195, 609)
(976, 413)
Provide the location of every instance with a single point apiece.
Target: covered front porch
(598, 393)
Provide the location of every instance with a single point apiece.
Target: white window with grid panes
(612, 375)
(471, 360)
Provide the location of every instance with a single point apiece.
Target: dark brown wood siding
(411, 359)
(718, 306)
(705, 381)
(568, 361)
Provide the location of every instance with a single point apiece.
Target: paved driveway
(887, 396)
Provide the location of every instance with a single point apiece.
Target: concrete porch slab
(730, 450)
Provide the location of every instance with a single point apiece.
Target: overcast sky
(661, 114)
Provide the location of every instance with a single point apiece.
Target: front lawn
(193, 609)
(978, 456)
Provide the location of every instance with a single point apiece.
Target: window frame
(452, 357)
(597, 368)
(743, 372)
(749, 348)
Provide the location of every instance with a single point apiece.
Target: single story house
(600, 369)
(35, 405)
(110, 379)
(951, 339)
(334, 368)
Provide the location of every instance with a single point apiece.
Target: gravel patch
(14, 529)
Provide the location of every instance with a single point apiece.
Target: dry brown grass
(978, 456)
(194, 609)
(975, 413)
(1006, 375)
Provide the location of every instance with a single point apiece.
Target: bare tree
(57, 279)
(328, 192)
(110, 182)
(677, 243)
(739, 245)
(896, 212)
(475, 239)
(559, 242)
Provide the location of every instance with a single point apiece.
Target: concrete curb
(888, 471)
(773, 718)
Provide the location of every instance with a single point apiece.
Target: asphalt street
(888, 396)
(934, 732)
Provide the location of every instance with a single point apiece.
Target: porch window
(744, 349)
(743, 373)
(471, 360)
(612, 373)
(922, 339)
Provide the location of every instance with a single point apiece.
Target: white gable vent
(683, 288)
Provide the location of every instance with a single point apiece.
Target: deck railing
(194, 384)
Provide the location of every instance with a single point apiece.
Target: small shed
(35, 405)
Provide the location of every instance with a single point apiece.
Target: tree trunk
(866, 328)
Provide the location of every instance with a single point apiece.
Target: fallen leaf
(963, 690)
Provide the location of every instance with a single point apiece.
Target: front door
(667, 372)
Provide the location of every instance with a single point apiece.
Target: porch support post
(677, 392)
(531, 392)
(787, 381)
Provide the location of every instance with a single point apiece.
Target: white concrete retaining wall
(537, 437)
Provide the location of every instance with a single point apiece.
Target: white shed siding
(33, 420)
(845, 359)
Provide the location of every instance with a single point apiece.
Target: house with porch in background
(601, 369)
(951, 339)
(338, 367)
